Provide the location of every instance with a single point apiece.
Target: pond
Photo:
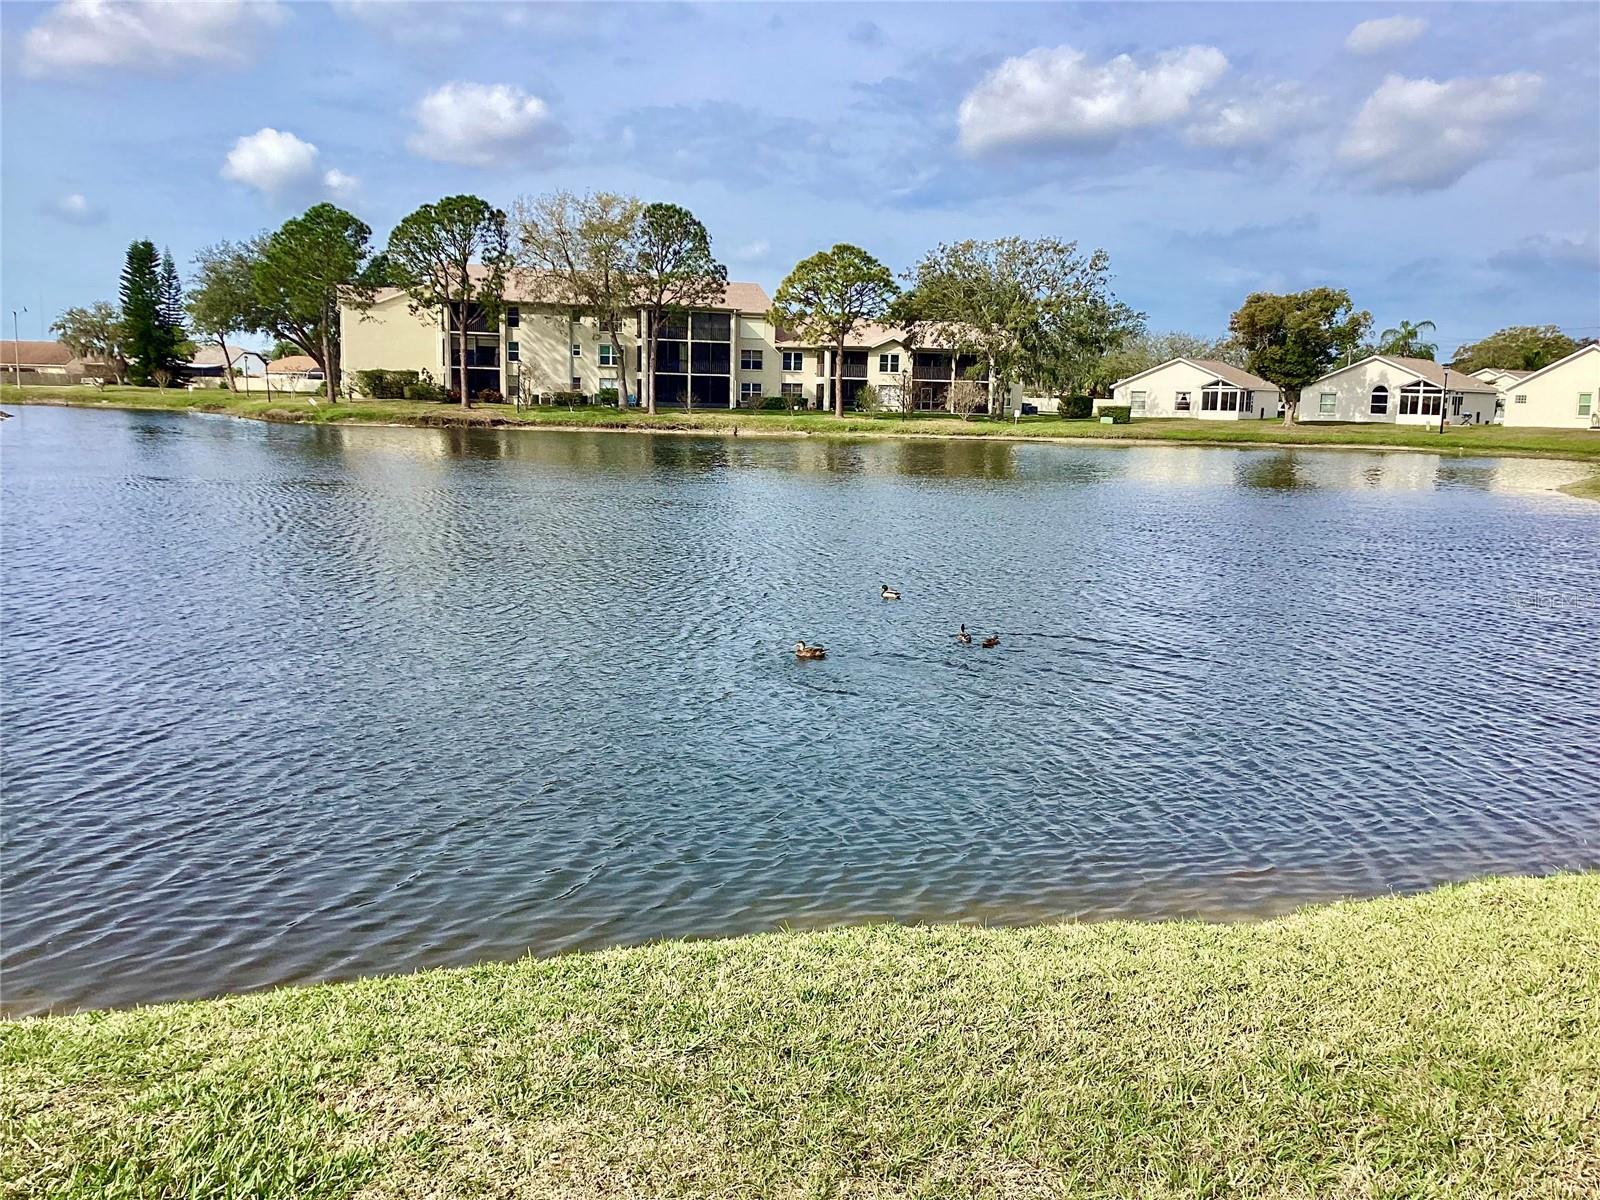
(287, 703)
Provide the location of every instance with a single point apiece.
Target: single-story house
(1387, 388)
(208, 363)
(1197, 387)
(39, 362)
(1563, 395)
(1501, 377)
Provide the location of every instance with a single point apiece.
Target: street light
(16, 350)
(1444, 400)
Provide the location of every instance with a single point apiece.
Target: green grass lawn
(1446, 1044)
(1483, 439)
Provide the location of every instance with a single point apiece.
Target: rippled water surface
(286, 704)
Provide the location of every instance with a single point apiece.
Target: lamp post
(1444, 400)
(16, 350)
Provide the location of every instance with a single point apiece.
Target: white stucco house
(1197, 387)
(1389, 389)
(1563, 395)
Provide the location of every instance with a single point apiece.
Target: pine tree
(141, 313)
(172, 314)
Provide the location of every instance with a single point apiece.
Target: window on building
(1181, 403)
(1379, 401)
(889, 364)
(512, 352)
(1136, 401)
(749, 360)
(577, 384)
(1455, 405)
(1521, 400)
(794, 360)
(513, 317)
(749, 391)
(608, 354)
(1327, 404)
(1221, 399)
(1585, 403)
(577, 350)
(1249, 402)
(1421, 399)
(794, 389)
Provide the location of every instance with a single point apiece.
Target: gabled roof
(1490, 374)
(1591, 348)
(35, 354)
(211, 356)
(1226, 372)
(1424, 369)
(294, 364)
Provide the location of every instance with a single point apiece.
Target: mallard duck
(801, 650)
(964, 637)
(990, 642)
(888, 592)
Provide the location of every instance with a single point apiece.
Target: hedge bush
(1077, 408)
(490, 396)
(568, 398)
(606, 396)
(1120, 414)
(386, 385)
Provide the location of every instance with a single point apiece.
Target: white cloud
(339, 183)
(1057, 96)
(275, 162)
(1417, 134)
(1261, 116)
(76, 209)
(479, 125)
(1384, 33)
(144, 34)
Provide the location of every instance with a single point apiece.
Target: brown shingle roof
(35, 354)
(1460, 381)
(1237, 376)
(294, 364)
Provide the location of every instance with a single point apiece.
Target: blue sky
(1440, 161)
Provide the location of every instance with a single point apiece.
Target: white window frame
(1585, 404)
(793, 389)
(889, 364)
(1327, 404)
(608, 354)
(794, 360)
(749, 360)
(750, 390)
(577, 350)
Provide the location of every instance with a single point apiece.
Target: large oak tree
(1293, 340)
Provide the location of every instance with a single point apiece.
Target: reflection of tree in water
(975, 459)
(1271, 472)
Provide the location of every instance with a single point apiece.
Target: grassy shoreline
(1581, 445)
(1446, 1044)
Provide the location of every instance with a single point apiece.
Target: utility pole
(1444, 400)
(16, 349)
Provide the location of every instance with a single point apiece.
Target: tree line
(1041, 312)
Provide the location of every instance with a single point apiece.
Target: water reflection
(290, 703)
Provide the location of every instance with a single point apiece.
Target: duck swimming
(803, 651)
(990, 642)
(888, 592)
(964, 637)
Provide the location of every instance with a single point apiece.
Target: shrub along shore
(1492, 440)
(1444, 1044)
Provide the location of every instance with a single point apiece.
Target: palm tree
(1406, 340)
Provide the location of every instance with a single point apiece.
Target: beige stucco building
(1197, 387)
(1563, 395)
(1386, 388)
(716, 357)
